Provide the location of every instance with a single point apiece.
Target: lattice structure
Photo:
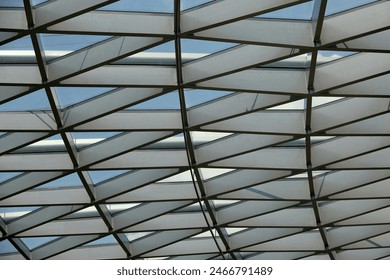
(277, 147)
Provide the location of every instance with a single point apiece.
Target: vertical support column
(317, 22)
(195, 173)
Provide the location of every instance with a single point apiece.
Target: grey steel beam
(21, 247)
(317, 20)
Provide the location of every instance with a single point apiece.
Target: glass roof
(167, 129)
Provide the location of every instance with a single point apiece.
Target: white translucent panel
(231, 230)
(196, 97)
(220, 203)
(209, 173)
(23, 43)
(72, 95)
(173, 142)
(11, 213)
(294, 105)
(101, 176)
(12, 3)
(116, 208)
(136, 235)
(181, 177)
(85, 213)
(69, 42)
(161, 6)
(4, 176)
(204, 47)
(202, 137)
(84, 139)
(164, 102)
